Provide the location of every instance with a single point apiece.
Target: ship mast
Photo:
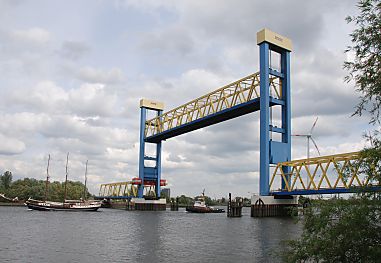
(84, 189)
(67, 161)
(47, 180)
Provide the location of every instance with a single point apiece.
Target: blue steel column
(158, 163)
(286, 109)
(264, 170)
(142, 150)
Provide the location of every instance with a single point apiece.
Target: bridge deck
(331, 174)
(238, 98)
(339, 190)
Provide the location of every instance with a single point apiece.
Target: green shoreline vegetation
(349, 230)
(35, 189)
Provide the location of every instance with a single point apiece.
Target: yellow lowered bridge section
(230, 101)
(321, 175)
(122, 190)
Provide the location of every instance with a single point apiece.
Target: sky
(72, 74)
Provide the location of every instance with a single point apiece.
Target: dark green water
(133, 236)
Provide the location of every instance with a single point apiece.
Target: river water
(139, 236)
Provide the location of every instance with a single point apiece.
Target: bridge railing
(238, 92)
(341, 171)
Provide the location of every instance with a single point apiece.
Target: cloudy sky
(73, 72)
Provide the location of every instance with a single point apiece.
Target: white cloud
(48, 94)
(73, 50)
(93, 75)
(92, 100)
(181, 42)
(45, 96)
(32, 36)
(88, 100)
(22, 124)
(11, 146)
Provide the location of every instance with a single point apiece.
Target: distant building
(166, 192)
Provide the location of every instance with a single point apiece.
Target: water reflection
(134, 236)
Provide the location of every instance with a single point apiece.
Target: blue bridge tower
(274, 62)
(148, 173)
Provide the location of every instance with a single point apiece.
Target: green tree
(364, 70)
(340, 230)
(185, 200)
(6, 179)
(25, 188)
(165, 195)
(1, 184)
(35, 189)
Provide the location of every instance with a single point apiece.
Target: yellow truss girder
(123, 189)
(118, 189)
(325, 172)
(228, 96)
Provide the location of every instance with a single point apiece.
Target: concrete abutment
(271, 206)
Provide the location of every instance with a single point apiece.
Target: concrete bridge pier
(142, 204)
(268, 206)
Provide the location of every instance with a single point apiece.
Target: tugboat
(66, 205)
(199, 206)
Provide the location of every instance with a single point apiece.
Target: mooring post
(229, 205)
(175, 204)
(234, 207)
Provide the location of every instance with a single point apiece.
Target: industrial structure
(267, 91)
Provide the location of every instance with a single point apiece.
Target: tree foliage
(339, 230)
(164, 194)
(371, 161)
(185, 200)
(6, 180)
(364, 70)
(35, 189)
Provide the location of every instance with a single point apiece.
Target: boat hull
(195, 209)
(45, 206)
(218, 210)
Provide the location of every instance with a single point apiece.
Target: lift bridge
(263, 91)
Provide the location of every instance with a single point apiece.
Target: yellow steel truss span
(325, 172)
(124, 189)
(118, 189)
(233, 94)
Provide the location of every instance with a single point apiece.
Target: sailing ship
(66, 205)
